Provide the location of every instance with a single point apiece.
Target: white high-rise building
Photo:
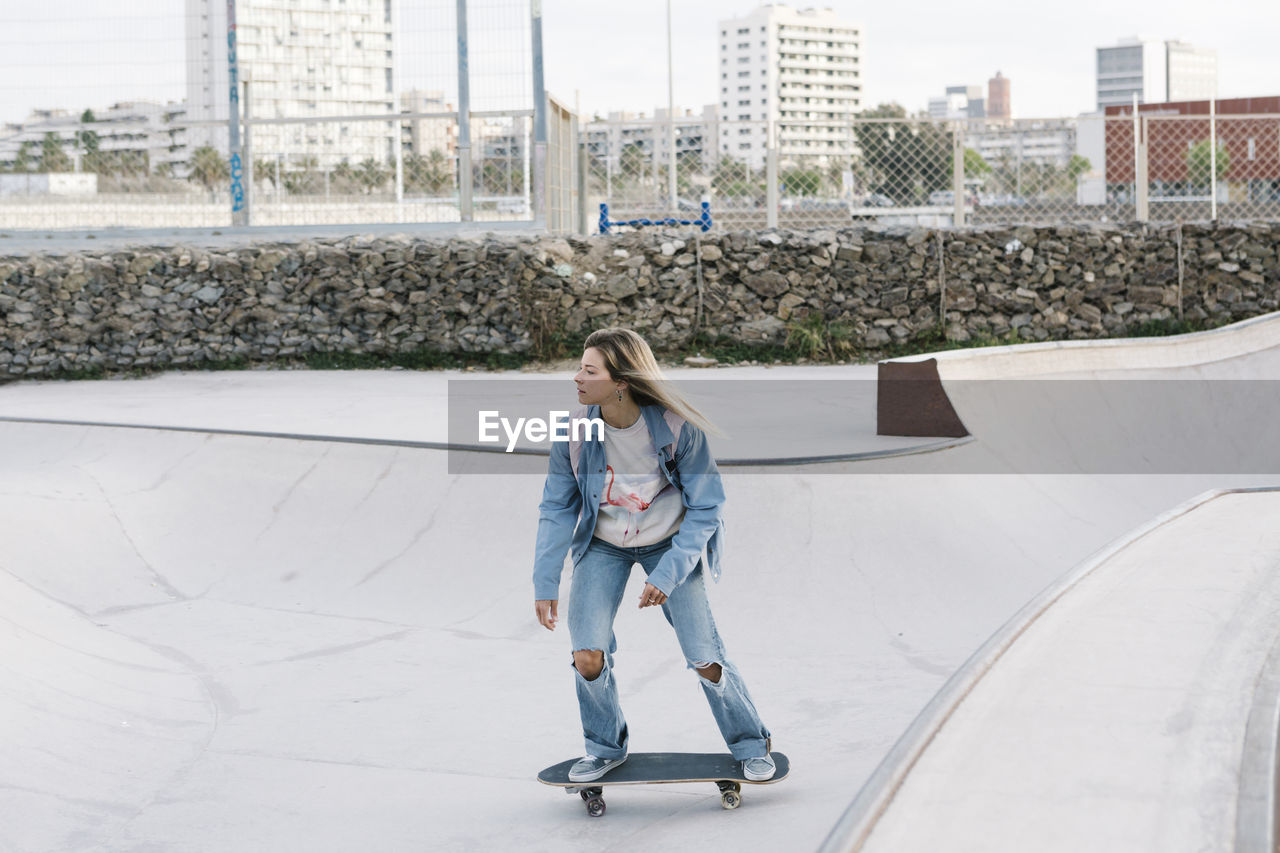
(1156, 71)
(798, 69)
(1193, 72)
(302, 58)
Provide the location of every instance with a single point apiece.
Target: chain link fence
(919, 171)
(352, 113)
(349, 113)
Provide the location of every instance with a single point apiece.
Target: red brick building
(1248, 129)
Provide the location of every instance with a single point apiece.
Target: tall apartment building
(139, 136)
(800, 69)
(1040, 141)
(421, 136)
(303, 58)
(1154, 70)
(999, 98)
(608, 139)
(1192, 72)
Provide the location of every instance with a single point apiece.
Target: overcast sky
(611, 55)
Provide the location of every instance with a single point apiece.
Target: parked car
(1004, 200)
(948, 198)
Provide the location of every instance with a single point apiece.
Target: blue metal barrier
(703, 221)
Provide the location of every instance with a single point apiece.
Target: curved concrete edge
(1258, 806)
(736, 462)
(857, 823)
(1025, 360)
(911, 395)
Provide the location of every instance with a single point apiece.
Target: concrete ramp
(330, 644)
(1133, 706)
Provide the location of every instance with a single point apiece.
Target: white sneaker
(759, 769)
(590, 768)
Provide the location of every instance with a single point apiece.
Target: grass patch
(730, 351)
(1164, 328)
(815, 339)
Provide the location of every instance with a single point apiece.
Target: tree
(974, 165)
(343, 178)
(87, 140)
(371, 175)
(52, 157)
(1077, 166)
(430, 174)
(732, 178)
(304, 178)
(800, 181)
(265, 170)
(907, 159)
(631, 162)
(1198, 163)
(688, 164)
(209, 167)
(22, 162)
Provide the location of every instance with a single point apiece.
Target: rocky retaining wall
(180, 306)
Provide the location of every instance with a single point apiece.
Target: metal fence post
(1142, 183)
(539, 116)
(1213, 160)
(248, 156)
(957, 173)
(465, 210)
(771, 177)
(239, 215)
(397, 106)
(671, 122)
(584, 227)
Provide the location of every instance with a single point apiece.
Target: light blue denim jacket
(567, 514)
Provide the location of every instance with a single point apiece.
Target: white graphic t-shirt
(638, 506)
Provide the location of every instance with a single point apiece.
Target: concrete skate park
(271, 611)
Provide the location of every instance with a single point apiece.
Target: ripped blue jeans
(599, 582)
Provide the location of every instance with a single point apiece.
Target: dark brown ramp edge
(910, 400)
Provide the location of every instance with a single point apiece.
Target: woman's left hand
(652, 596)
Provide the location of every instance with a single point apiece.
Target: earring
(619, 395)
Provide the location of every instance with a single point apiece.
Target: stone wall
(180, 305)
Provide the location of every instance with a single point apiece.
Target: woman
(649, 493)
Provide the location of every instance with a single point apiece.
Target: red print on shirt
(631, 500)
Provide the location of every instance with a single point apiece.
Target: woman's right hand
(546, 612)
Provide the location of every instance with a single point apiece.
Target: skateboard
(653, 768)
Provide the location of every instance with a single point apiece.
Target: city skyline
(70, 55)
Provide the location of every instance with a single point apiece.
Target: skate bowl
(271, 611)
(1135, 703)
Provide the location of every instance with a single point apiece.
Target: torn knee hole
(710, 670)
(589, 663)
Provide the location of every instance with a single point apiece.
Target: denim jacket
(567, 513)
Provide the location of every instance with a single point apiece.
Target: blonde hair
(627, 357)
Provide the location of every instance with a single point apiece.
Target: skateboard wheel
(595, 806)
(589, 794)
(730, 799)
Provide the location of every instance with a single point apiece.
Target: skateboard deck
(655, 768)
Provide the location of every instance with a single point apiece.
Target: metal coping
(740, 462)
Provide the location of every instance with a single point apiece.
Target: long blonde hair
(627, 357)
